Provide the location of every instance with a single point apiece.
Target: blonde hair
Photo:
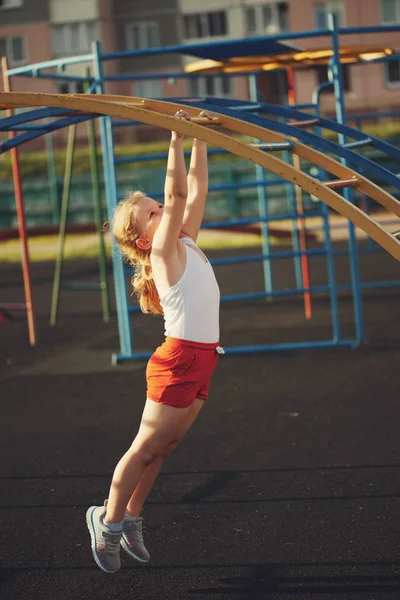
(126, 232)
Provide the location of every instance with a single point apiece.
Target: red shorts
(180, 371)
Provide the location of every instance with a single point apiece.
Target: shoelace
(111, 543)
(134, 530)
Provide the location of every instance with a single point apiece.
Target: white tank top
(191, 306)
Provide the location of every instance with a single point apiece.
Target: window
(323, 76)
(4, 4)
(390, 11)
(140, 36)
(270, 18)
(14, 49)
(74, 37)
(392, 73)
(71, 87)
(210, 86)
(205, 25)
(148, 89)
(322, 10)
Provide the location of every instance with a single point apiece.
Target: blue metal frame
(245, 111)
(347, 192)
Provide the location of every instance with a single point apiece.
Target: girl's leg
(161, 426)
(149, 476)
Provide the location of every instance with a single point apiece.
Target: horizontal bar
(274, 146)
(358, 144)
(369, 285)
(48, 64)
(56, 76)
(119, 358)
(270, 255)
(288, 346)
(339, 184)
(274, 294)
(221, 224)
(305, 123)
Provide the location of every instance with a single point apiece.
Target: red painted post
(300, 208)
(19, 200)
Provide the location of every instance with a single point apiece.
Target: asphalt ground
(286, 487)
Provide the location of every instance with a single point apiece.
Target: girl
(172, 277)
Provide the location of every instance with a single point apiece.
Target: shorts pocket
(183, 363)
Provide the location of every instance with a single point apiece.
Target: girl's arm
(197, 189)
(175, 192)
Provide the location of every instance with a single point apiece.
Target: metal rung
(307, 123)
(358, 144)
(88, 287)
(287, 145)
(338, 184)
(396, 234)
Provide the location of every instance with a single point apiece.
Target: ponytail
(126, 232)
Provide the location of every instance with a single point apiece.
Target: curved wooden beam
(134, 109)
(365, 186)
(331, 165)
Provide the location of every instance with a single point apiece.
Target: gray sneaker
(105, 543)
(132, 539)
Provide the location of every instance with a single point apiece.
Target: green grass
(81, 246)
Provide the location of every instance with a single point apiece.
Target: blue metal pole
(370, 243)
(333, 292)
(110, 181)
(341, 118)
(262, 204)
(295, 232)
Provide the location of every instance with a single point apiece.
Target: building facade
(37, 31)
(25, 37)
(367, 87)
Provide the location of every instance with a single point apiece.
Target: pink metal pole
(19, 200)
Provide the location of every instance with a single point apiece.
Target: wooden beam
(161, 119)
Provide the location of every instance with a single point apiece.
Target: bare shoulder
(168, 269)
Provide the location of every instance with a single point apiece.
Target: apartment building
(25, 37)
(367, 87)
(36, 31)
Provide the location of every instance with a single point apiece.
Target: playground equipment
(293, 138)
(102, 286)
(161, 114)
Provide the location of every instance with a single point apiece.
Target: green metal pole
(52, 176)
(105, 301)
(262, 207)
(63, 223)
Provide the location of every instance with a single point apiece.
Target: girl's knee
(148, 452)
(170, 448)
